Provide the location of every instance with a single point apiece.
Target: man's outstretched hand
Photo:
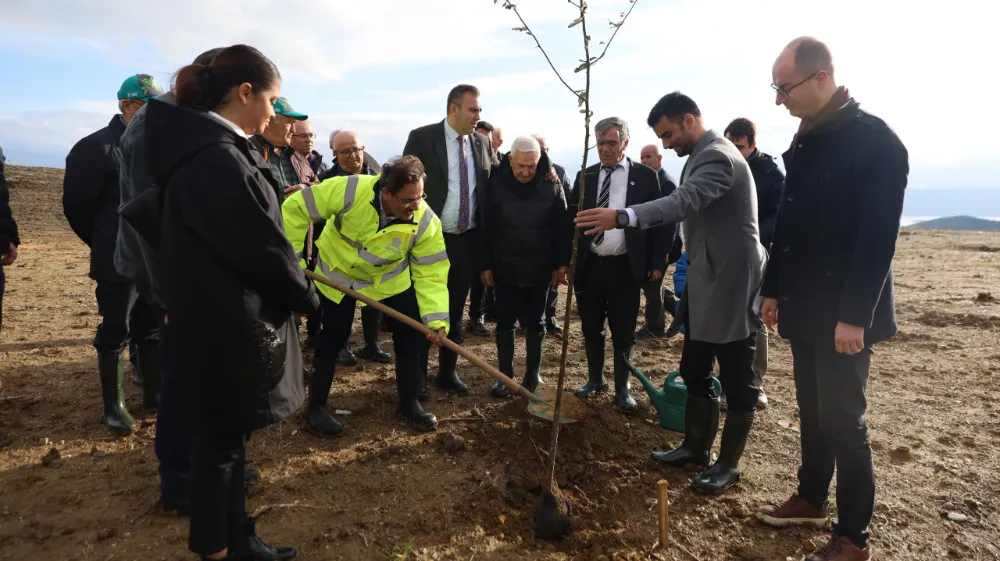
(597, 219)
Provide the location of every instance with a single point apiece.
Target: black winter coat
(91, 196)
(770, 183)
(836, 232)
(8, 228)
(230, 277)
(525, 237)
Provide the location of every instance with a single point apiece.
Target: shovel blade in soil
(573, 409)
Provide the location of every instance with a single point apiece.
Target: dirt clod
(52, 459)
(901, 454)
(451, 442)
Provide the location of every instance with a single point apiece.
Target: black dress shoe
(374, 353)
(478, 327)
(260, 551)
(552, 329)
(346, 358)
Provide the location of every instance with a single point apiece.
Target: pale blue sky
(383, 67)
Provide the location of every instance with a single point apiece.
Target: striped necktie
(605, 196)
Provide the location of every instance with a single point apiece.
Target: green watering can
(671, 402)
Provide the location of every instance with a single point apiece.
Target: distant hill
(958, 223)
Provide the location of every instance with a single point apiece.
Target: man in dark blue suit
(770, 182)
(660, 300)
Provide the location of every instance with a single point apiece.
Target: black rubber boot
(623, 399)
(447, 378)
(701, 423)
(409, 381)
(111, 367)
(505, 361)
(371, 319)
(316, 413)
(534, 341)
(725, 472)
(150, 362)
(260, 551)
(345, 357)
(595, 367)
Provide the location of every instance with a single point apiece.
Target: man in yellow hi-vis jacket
(381, 240)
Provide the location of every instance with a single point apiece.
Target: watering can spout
(655, 395)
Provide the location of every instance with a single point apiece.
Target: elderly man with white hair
(526, 250)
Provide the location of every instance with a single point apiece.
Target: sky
(384, 67)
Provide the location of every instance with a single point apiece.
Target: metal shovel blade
(543, 406)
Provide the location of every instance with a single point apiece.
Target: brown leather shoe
(796, 511)
(840, 548)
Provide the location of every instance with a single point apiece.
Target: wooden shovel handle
(421, 328)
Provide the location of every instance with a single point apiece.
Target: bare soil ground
(383, 491)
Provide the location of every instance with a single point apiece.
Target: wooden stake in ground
(662, 501)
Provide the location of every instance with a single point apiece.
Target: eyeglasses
(305, 135)
(786, 92)
(412, 203)
(349, 151)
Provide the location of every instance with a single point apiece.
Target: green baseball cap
(141, 87)
(282, 107)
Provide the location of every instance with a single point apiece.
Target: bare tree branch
(512, 7)
(617, 27)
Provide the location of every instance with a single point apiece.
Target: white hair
(333, 135)
(525, 144)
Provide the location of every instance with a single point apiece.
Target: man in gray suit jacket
(717, 202)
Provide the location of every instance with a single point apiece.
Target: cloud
(385, 67)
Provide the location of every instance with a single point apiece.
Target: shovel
(540, 404)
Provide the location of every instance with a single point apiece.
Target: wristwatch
(621, 220)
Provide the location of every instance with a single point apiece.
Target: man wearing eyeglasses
(350, 158)
(829, 288)
(308, 163)
(384, 242)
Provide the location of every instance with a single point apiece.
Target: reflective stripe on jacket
(377, 262)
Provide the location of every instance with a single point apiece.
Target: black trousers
(462, 256)
(830, 389)
(482, 300)
(172, 442)
(218, 503)
(126, 315)
(522, 304)
(608, 295)
(339, 318)
(735, 370)
(551, 314)
(657, 294)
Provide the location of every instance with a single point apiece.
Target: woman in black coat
(231, 284)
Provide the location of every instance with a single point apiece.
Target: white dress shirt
(449, 214)
(614, 240)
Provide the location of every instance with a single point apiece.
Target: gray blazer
(717, 201)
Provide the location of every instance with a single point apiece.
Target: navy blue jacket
(770, 182)
(91, 196)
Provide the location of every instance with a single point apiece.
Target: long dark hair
(205, 86)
